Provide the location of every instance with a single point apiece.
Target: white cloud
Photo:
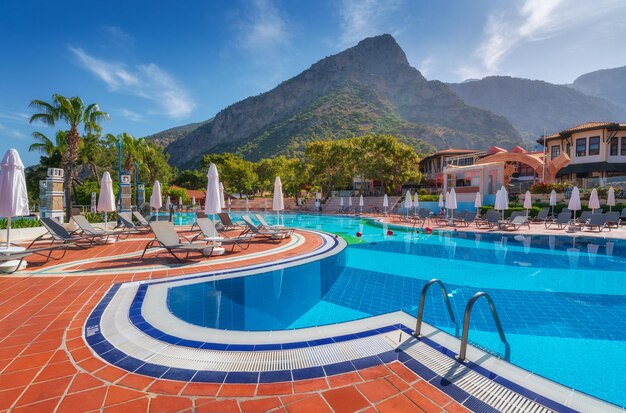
(426, 65)
(532, 21)
(12, 132)
(263, 29)
(130, 115)
(147, 81)
(365, 18)
(118, 36)
(14, 116)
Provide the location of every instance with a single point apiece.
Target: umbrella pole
(214, 229)
(106, 217)
(8, 232)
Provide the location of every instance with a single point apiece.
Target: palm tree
(52, 151)
(73, 112)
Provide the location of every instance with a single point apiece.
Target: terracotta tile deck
(45, 365)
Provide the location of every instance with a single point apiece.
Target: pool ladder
(466, 317)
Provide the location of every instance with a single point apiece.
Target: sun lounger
(612, 220)
(127, 222)
(86, 228)
(265, 225)
(561, 220)
(584, 217)
(515, 223)
(208, 231)
(491, 219)
(20, 256)
(227, 222)
(57, 233)
(622, 216)
(542, 216)
(273, 234)
(597, 221)
(165, 236)
(141, 220)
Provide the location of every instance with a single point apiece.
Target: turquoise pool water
(562, 301)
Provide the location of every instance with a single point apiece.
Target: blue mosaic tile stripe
(105, 350)
(119, 359)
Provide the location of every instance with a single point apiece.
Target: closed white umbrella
(278, 203)
(180, 201)
(552, 200)
(594, 201)
(361, 203)
(502, 202)
(478, 202)
(13, 195)
(106, 201)
(156, 199)
(408, 203)
(385, 203)
(341, 203)
(574, 201)
(168, 202)
(528, 203)
(440, 200)
(193, 200)
(610, 200)
(222, 201)
(416, 201)
(212, 203)
(349, 202)
(452, 205)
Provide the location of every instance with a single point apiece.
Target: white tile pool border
(119, 331)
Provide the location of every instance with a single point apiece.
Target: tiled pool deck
(46, 366)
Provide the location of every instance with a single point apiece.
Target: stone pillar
(43, 198)
(55, 197)
(94, 205)
(141, 195)
(126, 194)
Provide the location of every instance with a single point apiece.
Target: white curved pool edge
(127, 338)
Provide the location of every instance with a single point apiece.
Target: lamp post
(119, 173)
(137, 184)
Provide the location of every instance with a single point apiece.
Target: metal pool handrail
(466, 322)
(420, 311)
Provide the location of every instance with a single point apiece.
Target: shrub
(541, 188)
(99, 216)
(20, 223)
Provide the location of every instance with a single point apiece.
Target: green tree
(236, 173)
(328, 161)
(73, 112)
(191, 179)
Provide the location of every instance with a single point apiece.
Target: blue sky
(159, 64)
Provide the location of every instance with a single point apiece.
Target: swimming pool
(562, 301)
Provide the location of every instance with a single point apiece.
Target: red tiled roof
(517, 149)
(495, 149)
(584, 127)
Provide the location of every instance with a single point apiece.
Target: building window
(555, 151)
(623, 147)
(594, 145)
(613, 147)
(568, 149)
(581, 147)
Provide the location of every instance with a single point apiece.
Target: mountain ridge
(369, 88)
(532, 105)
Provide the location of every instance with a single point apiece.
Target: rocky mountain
(532, 105)
(609, 84)
(369, 88)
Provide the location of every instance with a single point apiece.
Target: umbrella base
(216, 251)
(109, 240)
(12, 266)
